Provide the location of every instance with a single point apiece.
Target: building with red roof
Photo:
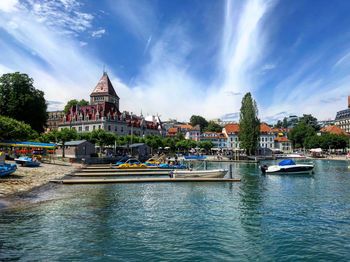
(333, 130)
(103, 113)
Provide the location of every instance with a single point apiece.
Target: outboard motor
(263, 169)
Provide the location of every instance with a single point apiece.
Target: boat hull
(7, 169)
(218, 173)
(290, 170)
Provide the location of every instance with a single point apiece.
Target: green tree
(299, 133)
(154, 142)
(65, 135)
(249, 125)
(11, 129)
(207, 145)
(51, 136)
(199, 120)
(213, 127)
(310, 120)
(169, 142)
(20, 100)
(102, 138)
(74, 102)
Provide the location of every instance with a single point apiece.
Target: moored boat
(286, 167)
(194, 157)
(27, 161)
(7, 169)
(215, 173)
(131, 164)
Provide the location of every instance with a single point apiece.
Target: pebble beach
(27, 178)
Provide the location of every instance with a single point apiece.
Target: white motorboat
(286, 167)
(215, 173)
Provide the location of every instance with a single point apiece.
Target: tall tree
(20, 100)
(249, 125)
(74, 102)
(199, 120)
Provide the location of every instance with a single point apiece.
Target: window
(109, 128)
(80, 128)
(87, 128)
(99, 126)
(93, 127)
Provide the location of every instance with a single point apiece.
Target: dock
(117, 174)
(141, 180)
(114, 170)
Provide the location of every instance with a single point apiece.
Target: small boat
(287, 166)
(172, 166)
(122, 160)
(27, 161)
(7, 169)
(194, 157)
(131, 164)
(215, 173)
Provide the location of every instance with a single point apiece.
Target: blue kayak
(7, 169)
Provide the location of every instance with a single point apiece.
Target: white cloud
(8, 5)
(98, 33)
(59, 68)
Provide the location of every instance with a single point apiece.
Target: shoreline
(26, 180)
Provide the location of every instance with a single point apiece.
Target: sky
(182, 58)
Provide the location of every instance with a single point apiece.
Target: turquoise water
(265, 218)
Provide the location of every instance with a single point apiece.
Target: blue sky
(178, 58)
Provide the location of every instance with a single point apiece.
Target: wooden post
(230, 170)
(205, 165)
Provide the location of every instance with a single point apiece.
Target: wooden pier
(125, 173)
(141, 180)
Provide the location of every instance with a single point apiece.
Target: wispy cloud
(165, 83)
(137, 16)
(98, 33)
(51, 58)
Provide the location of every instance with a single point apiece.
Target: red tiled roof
(333, 130)
(186, 126)
(282, 139)
(104, 87)
(232, 128)
(264, 128)
(173, 130)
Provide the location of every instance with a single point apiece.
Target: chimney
(348, 101)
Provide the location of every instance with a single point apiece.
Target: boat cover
(286, 162)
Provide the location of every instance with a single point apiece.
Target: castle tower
(104, 92)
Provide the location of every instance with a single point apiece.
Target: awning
(28, 144)
(316, 150)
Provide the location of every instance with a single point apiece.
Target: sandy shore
(26, 178)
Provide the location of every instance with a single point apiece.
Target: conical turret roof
(104, 87)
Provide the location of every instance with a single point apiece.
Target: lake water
(265, 218)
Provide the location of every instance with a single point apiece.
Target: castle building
(103, 113)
